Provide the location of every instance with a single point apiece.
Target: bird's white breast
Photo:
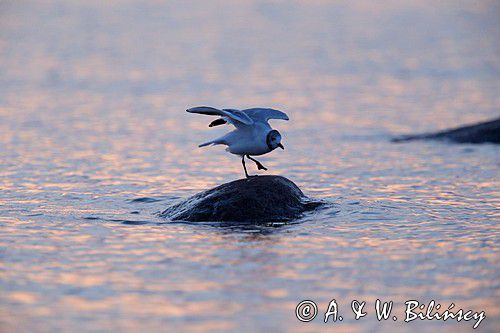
(249, 140)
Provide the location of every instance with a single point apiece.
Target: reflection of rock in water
(255, 199)
(479, 133)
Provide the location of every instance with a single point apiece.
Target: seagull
(252, 136)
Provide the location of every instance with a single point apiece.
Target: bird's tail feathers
(205, 144)
(213, 142)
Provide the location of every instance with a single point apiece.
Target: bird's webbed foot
(259, 165)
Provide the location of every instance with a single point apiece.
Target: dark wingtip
(217, 122)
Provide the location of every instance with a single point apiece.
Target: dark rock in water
(255, 199)
(479, 133)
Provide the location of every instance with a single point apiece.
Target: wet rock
(479, 133)
(255, 199)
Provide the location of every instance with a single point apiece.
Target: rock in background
(479, 133)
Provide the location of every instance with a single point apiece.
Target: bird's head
(273, 140)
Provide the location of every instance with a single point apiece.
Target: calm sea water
(94, 141)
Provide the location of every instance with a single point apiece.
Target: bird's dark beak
(281, 146)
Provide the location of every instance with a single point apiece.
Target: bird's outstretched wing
(236, 117)
(264, 114)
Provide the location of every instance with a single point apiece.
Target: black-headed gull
(252, 136)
